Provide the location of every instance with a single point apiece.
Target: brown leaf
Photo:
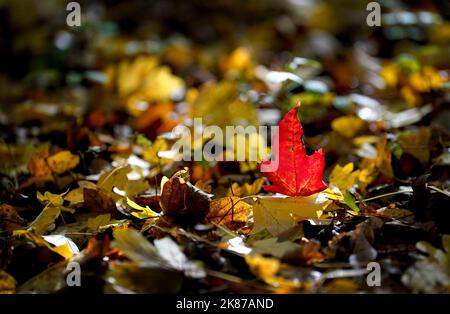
(10, 219)
(307, 254)
(183, 201)
(39, 168)
(229, 211)
(99, 201)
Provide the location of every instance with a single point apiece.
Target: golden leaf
(7, 283)
(94, 223)
(348, 126)
(237, 62)
(229, 211)
(142, 212)
(45, 219)
(277, 214)
(219, 104)
(151, 154)
(50, 199)
(344, 177)
(245, 189)
(64, 250)
(63, 161)
(267, 269)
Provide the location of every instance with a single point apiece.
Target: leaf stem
(384, 195)
(436, 189)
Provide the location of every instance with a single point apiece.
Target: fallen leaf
(63, 161)
(94, 223)
(219, 104)
(350, 201)
(306, 253)
(65, 248)
(182, 201)
(142, 212)
(297, 174)
(116, 177)
(45, 220)
(348, 126)
(171, 253)
(7, 283)
(344, 177)
(157, 119)
(229, 211)
(50, 199)
(416, 144)
(131, 278)
(245, 189)
(276, 214)
(273, 247)
(99, 201)
(10, 220)
(49, 281)
(267, 269)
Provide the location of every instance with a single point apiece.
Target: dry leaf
(348, 126)
(63, 161)
(229, 211)
(7, 283)
(10, 220)
(277, 214)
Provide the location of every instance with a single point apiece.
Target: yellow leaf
(263, 267)
(142, 212)
(161, 85)
(410, 96)
(247, 146)
(63, 161)
(7, 283)
(246, 189)
(50, 198)
(64, 250)
(116, 177)
(344, 177)
(229, 211)
(94, 223)
(347, 126)
(219, 104)
(130, 74)
(372, 167)
(267, 269)
(237, 62)
(151, 154)
(384, 158)
(201, 185)
(341, 285)
(75, 196)
(45, 219)
(276, 213)
(365, 139)
(390, 74)
(62, 245)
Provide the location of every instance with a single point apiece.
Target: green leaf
(350, 201)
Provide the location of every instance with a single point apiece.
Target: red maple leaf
(295, 173)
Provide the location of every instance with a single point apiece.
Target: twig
(384, 195)
(431, 187)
